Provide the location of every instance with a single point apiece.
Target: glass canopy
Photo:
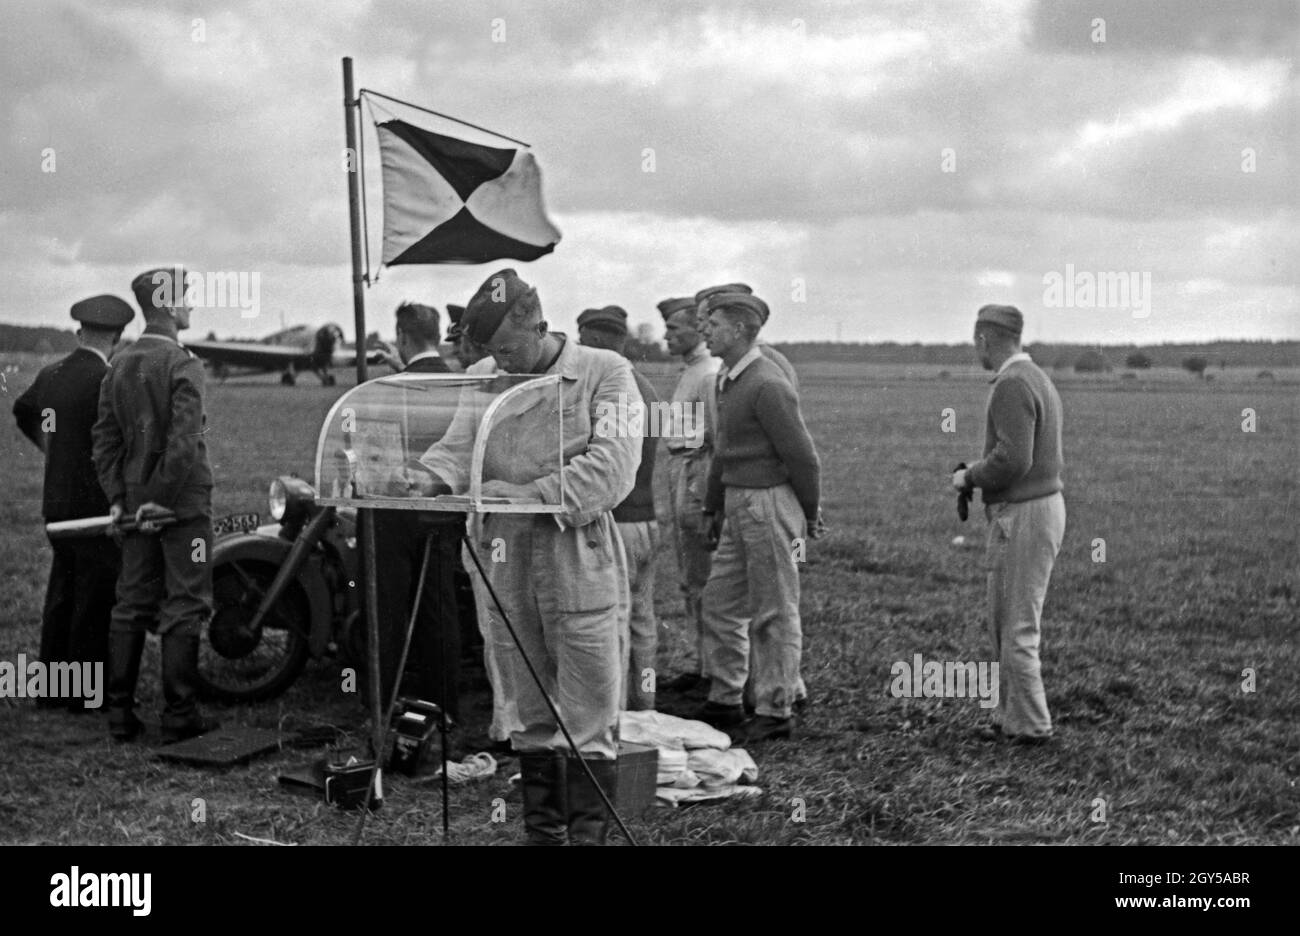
(394, 441)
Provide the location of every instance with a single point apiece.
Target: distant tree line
(645, 346)
(1065, 356)
(38, 339)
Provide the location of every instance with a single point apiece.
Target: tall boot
(180, 664)
(588, 817)
(124, 649)
(541, 776)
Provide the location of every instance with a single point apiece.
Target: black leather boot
(180, 663)
(588, 817)
(541, 780)
(124, 649)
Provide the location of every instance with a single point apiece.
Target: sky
(876, 171)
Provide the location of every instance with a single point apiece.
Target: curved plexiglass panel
(397, 442)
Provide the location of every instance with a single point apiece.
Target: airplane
(289, 351)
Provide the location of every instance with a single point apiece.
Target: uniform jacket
(149, 442)
(69, 390)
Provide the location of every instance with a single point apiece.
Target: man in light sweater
(1020, 477)
(760, 505)
(690, 451)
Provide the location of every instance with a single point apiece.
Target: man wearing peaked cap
(58, 413)
(150, 452)
(611, 319)
(689, 440)
(1020, 477)
(670, 307)
(563, 583)
(769, 352)
(762, 500)
(637, 525)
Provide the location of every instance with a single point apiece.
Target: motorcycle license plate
(236, 523)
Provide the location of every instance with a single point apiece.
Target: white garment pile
(696, 761)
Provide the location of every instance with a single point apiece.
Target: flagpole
(365, 518)
(350, 104)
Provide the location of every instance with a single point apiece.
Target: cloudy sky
(875, 170)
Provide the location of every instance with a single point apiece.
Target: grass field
(1143, 659)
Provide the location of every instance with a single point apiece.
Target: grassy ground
(1143, 661)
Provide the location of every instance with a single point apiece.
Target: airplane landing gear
(287, 379)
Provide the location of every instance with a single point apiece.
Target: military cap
(610, 318)
(1005, 317)
(670, 307)
(725, 287)
(736, 300)
(741, 288)
(455, 313)
(160, 288)
(106, 312)
(490, 304)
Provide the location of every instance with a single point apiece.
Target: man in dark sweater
(760, 505)
(1020, 477)
(433, 661)
(635, 517)
(57, 413)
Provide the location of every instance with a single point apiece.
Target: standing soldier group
(126, 438)
(744, 491)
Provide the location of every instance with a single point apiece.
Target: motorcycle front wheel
(238, 663)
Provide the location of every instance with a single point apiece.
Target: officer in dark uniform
(149, 451)
(57, 413)
(434, 657)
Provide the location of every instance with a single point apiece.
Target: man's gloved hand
(961, 481)
(712, 530)
(146, 517)
(414, 479)
(116, 516)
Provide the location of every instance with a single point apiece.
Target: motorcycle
(282, 593)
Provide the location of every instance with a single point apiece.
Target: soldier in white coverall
(562, 579)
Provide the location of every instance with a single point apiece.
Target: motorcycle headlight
(277, 500)
(290, 499)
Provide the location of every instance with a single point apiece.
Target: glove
(965, 490)
(712, 530)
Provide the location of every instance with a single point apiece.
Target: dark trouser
(165, 586)
(79, 600)
(166, 580)
(433, 661)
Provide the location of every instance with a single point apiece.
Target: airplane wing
(349, 358)
(243, 354)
